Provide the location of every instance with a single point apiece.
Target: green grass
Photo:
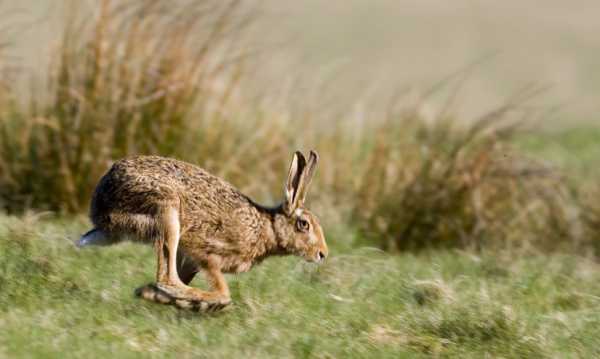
(58, 301)
(575, 150)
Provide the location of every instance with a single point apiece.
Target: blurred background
(385, 44)
(458, 183)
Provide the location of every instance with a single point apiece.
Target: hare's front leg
(217, 298)
(216, 281)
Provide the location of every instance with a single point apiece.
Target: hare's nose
(321, 256)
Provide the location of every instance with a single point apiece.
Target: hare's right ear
(293, 183)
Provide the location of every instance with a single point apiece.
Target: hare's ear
(307, 176)
(293, 182)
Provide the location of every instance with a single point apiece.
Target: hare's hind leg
(186, 269)
(167, 245)
(214, 300)
(169, 288)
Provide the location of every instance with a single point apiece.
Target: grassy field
(58, 301)
(448, 237)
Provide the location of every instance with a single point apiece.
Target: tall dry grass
(453, 185)
(140, 77)
(587, 199)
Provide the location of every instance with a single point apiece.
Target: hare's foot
(179, 297)
(202, 305)
(152, 293)
(170, 287)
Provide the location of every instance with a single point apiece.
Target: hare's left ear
(292, 185)
(307, 176)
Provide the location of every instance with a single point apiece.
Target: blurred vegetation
(146, 77)
(460, 186)
(141, 77)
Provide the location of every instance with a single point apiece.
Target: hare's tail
(95, 237)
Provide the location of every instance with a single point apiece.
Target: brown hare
(199, 222)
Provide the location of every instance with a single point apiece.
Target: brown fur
(198, 221)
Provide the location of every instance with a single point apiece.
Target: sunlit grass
(57, 300)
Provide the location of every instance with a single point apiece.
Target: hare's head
(298, 229)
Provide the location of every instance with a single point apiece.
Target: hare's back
(142, 184)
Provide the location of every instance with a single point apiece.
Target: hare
(199, 222)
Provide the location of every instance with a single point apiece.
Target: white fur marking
(173, 223)
(93, 237)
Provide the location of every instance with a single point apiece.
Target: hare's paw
(205, 306)
(152, 293)
(183, 297)
(201, 301)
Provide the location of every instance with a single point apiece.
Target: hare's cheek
(302, 243)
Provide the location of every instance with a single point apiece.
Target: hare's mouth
(318, 257)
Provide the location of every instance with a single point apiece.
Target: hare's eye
(302, 225)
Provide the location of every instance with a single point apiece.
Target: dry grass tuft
(140, 77)
(590, 213)
(432, 291)
(458, 185)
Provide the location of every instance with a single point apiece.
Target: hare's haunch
(198, 222)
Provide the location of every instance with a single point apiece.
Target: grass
(574, 149)
(501, 226)
(57, 300)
